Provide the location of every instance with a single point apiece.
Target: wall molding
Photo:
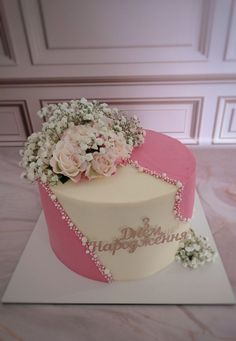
(135, 80)
(224, 132)
(21, 118)
(230, 49)
(207, 17)
(7, 58)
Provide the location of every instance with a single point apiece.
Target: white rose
(121, 149)
(68, 161)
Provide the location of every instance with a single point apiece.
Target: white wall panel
(116, 32)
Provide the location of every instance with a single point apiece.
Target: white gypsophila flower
(89, 157)
(89, 117)
(99, 141)
(83, 100)
(196, 247)
(106, 110)
(44, 178)
(195, 251)
(177, 258)
(30, 175)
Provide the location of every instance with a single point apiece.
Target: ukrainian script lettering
(131, 239)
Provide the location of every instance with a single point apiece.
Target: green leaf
(63, 178)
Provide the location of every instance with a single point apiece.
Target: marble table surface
(20, 209)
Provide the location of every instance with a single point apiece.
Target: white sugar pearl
(179, 184)
(84, 240)
(106, 271)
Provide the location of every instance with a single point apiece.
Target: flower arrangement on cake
(79, 138)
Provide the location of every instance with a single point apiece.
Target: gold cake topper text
(131, 239)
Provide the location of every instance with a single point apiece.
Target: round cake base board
(41, 278)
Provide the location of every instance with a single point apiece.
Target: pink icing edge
(73, 244)
(151, 158)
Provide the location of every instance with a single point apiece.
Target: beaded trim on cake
(164, 177)
(88, 248)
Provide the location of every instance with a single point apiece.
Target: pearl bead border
(88, 248)
(164, 177)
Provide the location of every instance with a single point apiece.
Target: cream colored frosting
(102, 207)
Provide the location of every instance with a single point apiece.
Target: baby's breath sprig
(194, 251)
(129, 125)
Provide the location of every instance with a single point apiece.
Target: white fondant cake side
(113, 213)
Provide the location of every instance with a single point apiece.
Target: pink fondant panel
(64, 242)
(163, 154)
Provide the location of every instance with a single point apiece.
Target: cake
(117, 199)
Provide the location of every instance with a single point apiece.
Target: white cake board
(41, 278)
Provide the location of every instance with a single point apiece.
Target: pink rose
(102, 164)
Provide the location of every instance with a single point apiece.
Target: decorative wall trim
(7, 57)
(225, 122)
(44, 54)
(124, 80)
(207, 17)
(21, 127)
(232, 124)
(186, 118)
(230, 46)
